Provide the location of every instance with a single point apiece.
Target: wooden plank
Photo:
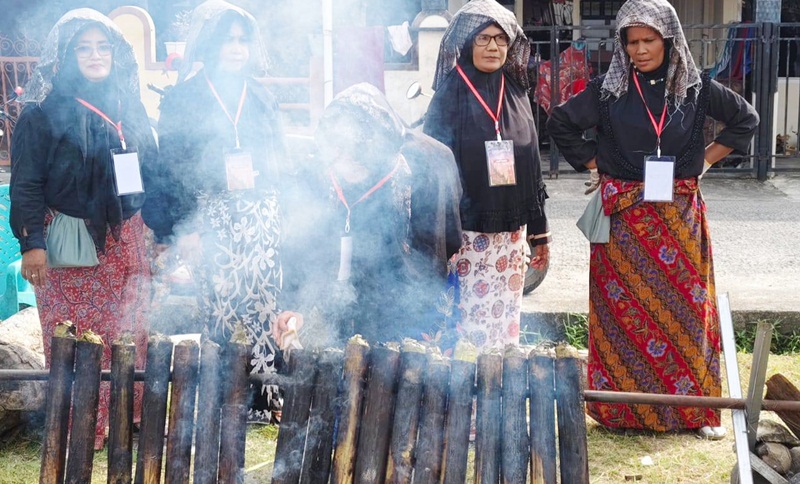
(185, 365)
(355, 371)
(541, 380)
(406, 416)
(572, 442)
(319, 444)
(86, 396)
(459, 416)
(206, 457)
(120, 424)
(57, 405)
(516, 447)
(430, 445)
(489, 418)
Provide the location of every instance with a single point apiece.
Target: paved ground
(755, 232)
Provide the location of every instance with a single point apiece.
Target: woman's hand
(190, 247)
(284, 330)
(34, 266)
(541, 257)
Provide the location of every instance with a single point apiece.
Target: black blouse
(626, 134)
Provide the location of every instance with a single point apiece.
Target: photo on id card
(500, 162)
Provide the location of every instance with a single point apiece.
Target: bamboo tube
(294, 421)
(572, 441)
(541, 381)
(59, 391)
(233, 420)
(206, 457)
(355, 371)
(459, 417)
(185, 364)
(516, 448)
(319, 445)
(406, 416)
(430, 447)
(488, 438)
(120, 428)
(379, 397)
(154, 410)
(86, 395)
(233, 429)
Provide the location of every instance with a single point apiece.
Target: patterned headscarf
(660, 16)
(468, 19)
(205, 18)
(54, 54)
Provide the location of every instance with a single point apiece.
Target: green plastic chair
(14, 289)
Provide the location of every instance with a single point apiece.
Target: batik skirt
(653, 322)
(240, 279)
(110, 299)
(491, 274)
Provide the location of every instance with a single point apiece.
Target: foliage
(783, 342)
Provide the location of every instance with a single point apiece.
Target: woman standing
(82, 103)
(215, 185)
(482, 112)
(653, 323)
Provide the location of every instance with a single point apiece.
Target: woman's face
(94, 54)
(492, 54)
(645, 48)
(235, 51)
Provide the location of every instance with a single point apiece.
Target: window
(600, 9)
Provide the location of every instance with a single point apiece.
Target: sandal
(711, 433)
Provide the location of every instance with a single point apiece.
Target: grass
(677, 458)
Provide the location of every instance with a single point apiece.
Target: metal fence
(760, 61)
(17, 60)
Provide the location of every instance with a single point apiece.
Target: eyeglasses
(86, 51)
(482, 40)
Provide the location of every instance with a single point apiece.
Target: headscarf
(54, 54)
(205, 19)
(660, 16)
(462, 28)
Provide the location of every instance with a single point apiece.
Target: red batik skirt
(653, 322)
(109, 299)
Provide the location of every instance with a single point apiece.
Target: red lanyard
(234, 121)
(117, 126)
(364, 196)
(495, 117)
(658, 127)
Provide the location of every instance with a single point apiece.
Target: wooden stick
(86, 395)
(459, 417)
(541, 381)
(488, 438)
(233, 430)
(430, 447)
(185, 364)
(206, 457)
(572, 441)
(120, 428)
(319, 445)
(406, 416)
(780, 388)
(154, 410)
(516, 449)
(355, 370)
(235, 402)
(294, 420)
(57, 404)
(373, 439)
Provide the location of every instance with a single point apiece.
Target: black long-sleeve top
(626, 135)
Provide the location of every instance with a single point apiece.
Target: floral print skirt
(491, 274)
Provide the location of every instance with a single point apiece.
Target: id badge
(345, 258)
(659, 178)
(239, 170)
(127, 172)
(500, 162)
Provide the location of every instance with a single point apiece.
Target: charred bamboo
(572, 442)
(206, 460)
(373, 439)
(185, 364)
(406, 416)
(294, 419)
(86, 395)
(430, 447)
(319, 445)
(154, 410)
(541, 381)
(56, 424)
(233, 425)
(780, 388)
(487, 439)
(355, 370)
(515, 443)
(459, 416)
(120, 428)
